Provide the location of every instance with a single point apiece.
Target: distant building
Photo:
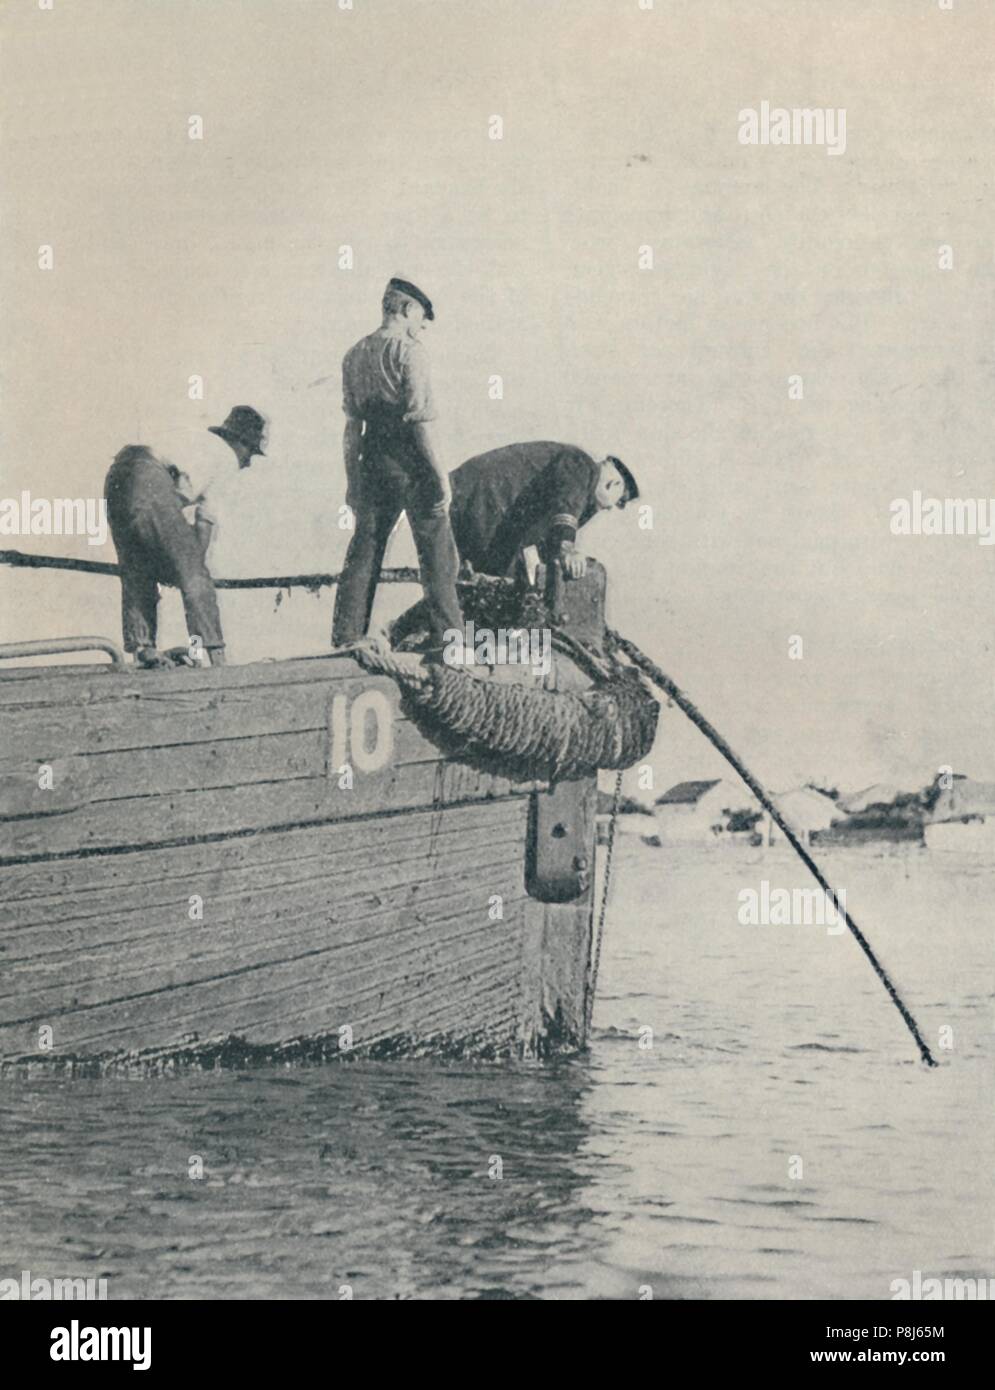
(699, 812)
(963, 817)
(964, 799)
(635, 817)
(805, 810)
(880, 794)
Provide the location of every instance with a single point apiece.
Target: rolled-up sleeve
(416, 387)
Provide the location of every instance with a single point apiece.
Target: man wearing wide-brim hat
(148, 489)
(392, 467)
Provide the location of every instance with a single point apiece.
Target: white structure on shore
(963, 818)
(805, 810)
(880, 794)
(698, 812)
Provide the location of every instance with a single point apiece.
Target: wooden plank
(184, 754)
(323, 905)
(563, 972)
(102, 954)
(135, 821)
(77, 888)
(529, 1004)
(52, 685)
(374, 942)
(377, 748)
(198, 716)
(53, 923)
(44, 784)
(251, 1002)
(479, 1018)
(140, 719)
(357, 931)
(185, 767)
(473, 1011)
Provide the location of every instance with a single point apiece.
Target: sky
(370, 128)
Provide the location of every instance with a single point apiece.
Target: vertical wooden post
(561, 842)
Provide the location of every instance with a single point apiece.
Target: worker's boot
(152, 659)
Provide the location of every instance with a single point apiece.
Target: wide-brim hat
(413, 292)
(244, 425)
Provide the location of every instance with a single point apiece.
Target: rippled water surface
(672, 1163)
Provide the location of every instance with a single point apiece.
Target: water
(667, 1164)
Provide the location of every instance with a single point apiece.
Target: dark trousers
(378, 498)
(494, 562)
(157, 546)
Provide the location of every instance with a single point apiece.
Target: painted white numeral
(370, 715)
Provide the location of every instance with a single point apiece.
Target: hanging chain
(592, 983)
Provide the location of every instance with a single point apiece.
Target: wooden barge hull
(186, 873)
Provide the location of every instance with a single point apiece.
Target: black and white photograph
(497, 694)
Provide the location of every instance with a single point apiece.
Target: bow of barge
(272, 859)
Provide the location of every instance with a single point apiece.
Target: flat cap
(413, 292)
(631, 486)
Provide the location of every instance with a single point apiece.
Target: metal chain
(592, 983)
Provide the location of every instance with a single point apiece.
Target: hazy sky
(370, 128)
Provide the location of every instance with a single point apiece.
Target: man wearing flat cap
(149, 492)
(392, 467)
(538, 493)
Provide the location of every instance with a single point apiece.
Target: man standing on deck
(392, 467)
(146, 493)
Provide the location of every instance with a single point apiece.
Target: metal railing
(60, 646)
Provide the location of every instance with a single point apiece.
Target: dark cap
(631, 486)
(413, 292)
(243, 426)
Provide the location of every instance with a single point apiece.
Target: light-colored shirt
(205, 458)
(387, 372)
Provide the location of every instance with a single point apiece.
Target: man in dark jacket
(535, 494)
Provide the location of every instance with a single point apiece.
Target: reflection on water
(751, 1122)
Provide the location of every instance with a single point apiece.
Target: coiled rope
(523, 732)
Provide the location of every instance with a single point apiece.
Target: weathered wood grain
(396, 937)
(157, 771)
(168, 948)
(140, 718)
(146, 820)
(322, 905)
(129, 913)
(41, 686)
(198, 773)
(76, 889)
(255, 999)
